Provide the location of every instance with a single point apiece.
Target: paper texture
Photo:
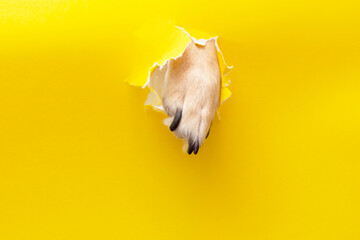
(157, 72)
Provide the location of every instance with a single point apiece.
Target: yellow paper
(181, 39)
(81, 159)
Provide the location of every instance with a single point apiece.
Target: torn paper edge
(154, 97)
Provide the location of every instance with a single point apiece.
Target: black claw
(191, 146)
(196, 147)
(208, 131)
(176, 120)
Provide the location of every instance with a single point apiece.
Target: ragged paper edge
(156, 75)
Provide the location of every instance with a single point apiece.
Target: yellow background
(82, 158)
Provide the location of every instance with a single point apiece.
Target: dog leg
(192, 92)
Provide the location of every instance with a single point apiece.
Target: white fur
(192, 83)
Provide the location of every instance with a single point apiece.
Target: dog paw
(192, 93)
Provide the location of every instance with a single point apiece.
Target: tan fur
(192, 83)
